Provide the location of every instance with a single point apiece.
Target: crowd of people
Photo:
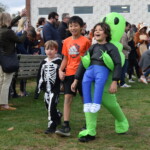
(64, 43)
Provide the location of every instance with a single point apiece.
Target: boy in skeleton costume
(49, 82)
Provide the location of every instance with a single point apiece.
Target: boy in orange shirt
(73, 47)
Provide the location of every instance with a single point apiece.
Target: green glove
(107, 60)
(86, 60)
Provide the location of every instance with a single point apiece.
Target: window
(120, 8)
(83, 10)
(47, 10)
(148, 8)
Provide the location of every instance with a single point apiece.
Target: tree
(2, 7)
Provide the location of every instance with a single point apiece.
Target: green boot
(121, 127)
(91, 123)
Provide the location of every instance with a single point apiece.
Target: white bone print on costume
(50, 74)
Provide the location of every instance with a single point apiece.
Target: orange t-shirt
(73, 49)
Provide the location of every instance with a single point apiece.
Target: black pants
(51, 101)
(133, 63)
(23, 83)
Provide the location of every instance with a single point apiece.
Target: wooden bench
(29, 65)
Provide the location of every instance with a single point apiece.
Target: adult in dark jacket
(50, 32)
(63, 27)
(7, 46)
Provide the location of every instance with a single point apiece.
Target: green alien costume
(109, 101)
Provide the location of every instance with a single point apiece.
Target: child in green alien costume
(109, 101)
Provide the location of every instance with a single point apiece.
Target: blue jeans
(42, 50)
(99, 75)
(147, 72)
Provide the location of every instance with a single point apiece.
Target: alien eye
(116, 21)
(104, 19)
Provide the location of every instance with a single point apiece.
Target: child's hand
(74, 85)
(113, 87)
(61, 75)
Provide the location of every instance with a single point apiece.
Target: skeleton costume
(48, 81)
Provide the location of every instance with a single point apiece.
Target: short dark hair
(76, 19)
(127, 23)
(31, 32)
(106, 29)
(52, 15)
(40, 21)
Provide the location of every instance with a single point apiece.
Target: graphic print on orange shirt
(74, 50)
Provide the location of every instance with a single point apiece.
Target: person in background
(133, 57)
(141, 39)
(24, 48)
(144, 63)
(64, 33)
(148, 39)
(126, 51)
(39, 31)
(21, 48)
(12, 91)
(48, 81)
(134, 28)
(84, 32)
(34, 43)
(50, 32)
(63, 27)
(7, 46)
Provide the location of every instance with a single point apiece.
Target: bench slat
(29, 65)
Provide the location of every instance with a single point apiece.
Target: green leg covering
(109, 101)
(91, 123)
(121, 127)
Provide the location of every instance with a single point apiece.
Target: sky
(13, 5)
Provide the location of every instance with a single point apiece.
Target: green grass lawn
(29, 121)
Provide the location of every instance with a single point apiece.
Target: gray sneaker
(63, 131)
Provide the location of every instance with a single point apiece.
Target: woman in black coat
(7, 47)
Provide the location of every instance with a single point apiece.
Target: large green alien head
(117, 25)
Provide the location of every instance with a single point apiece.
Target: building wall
(138, 9)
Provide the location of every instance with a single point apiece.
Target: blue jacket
(22, 47)
(51, 33)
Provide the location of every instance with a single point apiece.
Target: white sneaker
(95, 108)
(86, 107)
(131, 81)
(143, 79)
(125, 86)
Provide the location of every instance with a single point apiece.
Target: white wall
(138, 9)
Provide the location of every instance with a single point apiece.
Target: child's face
(99, 34)
(51, 52)
(75, 29)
